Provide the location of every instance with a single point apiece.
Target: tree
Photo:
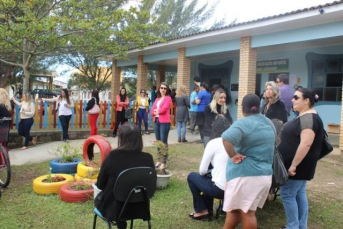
(36, 29)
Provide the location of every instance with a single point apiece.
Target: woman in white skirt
(249, 142)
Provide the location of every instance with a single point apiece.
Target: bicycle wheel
(5, 168)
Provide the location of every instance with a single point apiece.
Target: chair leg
(131, 224)
(149, 224)
(94, 222)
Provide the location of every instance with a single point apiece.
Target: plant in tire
(50, 183)
(78, 191)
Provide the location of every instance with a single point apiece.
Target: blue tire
(68, 168)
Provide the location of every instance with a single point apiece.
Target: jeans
(198, 184)
(161, 133)
(141, 114)
(181, 129)
(205, 140)
(24, 129)
(294, 199)
(92, 122)
(65, 119)
(193, 115)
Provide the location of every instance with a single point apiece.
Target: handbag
(128, 114)
(280, 174)
(326, 146)
(95, 109)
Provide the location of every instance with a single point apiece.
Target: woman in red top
(122, 102)
(161, 115)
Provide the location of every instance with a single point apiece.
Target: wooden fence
(46, 116)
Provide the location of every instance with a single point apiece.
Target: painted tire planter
(162, 180)
(87, 171)
(67, 167)
(79, 178)
(41, 187)
(88, 148)
(73, 196)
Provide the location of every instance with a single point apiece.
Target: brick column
(160, 75)
(142, 75)
(183, 69)
(116, 79)
(247, 72)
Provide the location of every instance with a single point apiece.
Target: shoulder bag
(128, 113)
(326, 146)
(95, 109)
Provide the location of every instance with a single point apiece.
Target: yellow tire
(41, 187)
(79, 178)
(87, 171)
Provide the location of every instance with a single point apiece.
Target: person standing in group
(296, 113)
(204, 187)
(274, 107)
(153, 94)
(182, 116)
(202, 100)
(161, 116)
(286, 92)
(27, 112)
(64, 106)
(5, 112)
(143, 108)
(249, 142)
(193, 107)
(93, 117)
(301, 143)
(216, 107)
(122, 104)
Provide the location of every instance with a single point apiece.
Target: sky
(245, 10)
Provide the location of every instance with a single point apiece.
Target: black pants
(24, 130)
(65, 119)
(120, 120)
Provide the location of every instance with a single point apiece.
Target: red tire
(73, 196)
(88, 148)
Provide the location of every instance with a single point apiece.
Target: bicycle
(5, 165)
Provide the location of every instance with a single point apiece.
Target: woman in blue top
(249, 142)
(203, 99)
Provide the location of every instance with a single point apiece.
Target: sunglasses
(295, 97)
(163, 88)
(142, 91)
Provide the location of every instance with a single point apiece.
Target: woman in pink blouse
(122, 102)
(161, 116)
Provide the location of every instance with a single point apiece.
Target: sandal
(147, 132)
(23, 148)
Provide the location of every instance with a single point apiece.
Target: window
(327, 76)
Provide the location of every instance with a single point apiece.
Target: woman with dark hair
(93, 117)
(64, 105)
(128, 155)
(5, 112)
(203, 99)
(27, 112)
(273, 107)
(249, 142)
(216, 107)
(301, 143)
(143, 108)
(161, 116)
(210, 186)
(122, 104)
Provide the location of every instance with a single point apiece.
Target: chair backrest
(137, 178)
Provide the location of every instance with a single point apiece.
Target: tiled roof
(257, 20)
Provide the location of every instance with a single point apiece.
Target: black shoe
(114, 135)
(205, 217)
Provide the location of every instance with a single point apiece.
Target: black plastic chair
(133, 185)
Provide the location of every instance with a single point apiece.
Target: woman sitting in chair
(128, 155)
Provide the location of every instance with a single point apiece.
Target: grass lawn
(22, 208)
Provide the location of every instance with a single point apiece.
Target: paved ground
(45, 151)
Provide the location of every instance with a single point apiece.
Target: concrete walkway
(45, 151)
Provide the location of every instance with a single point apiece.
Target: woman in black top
(273, 107)
(5, 108)
(216, 107)
(128, 155)
(301, 143)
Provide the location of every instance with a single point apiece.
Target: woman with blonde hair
(181, 117)
(215, 107)
(5, 112)
(273, 107)
(27, 111)
(143, 108)
(64, 104)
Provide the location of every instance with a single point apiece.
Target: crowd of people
(237, 162)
